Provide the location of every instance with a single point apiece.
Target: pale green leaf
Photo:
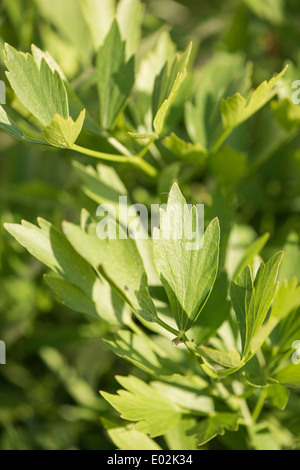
(237, 109)
(186, 151)
(251, 300)
(71, 295)
(150, 67)
(215, 312)
(287, 299)
(99, 15)
(115, 77)
(216, 425)
(278, 395)
(167, 86)
(96, 188)
(64, 132)
(143, 353)
(152, 411)
(39, 88)
(127, 438)
(121, 264)
(188, 398)
(187, 273)
(222, 76)
(183, 435)
(130, 16)
(287, 114)
(50, 247)
(12, 129)
(229, 359)
(70, 25)
(289, 376)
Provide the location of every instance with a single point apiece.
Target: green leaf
(140, 402)
(64, 132)
(75, 104)
(127, 438)
(215, 312)
(149, 68)
(130, 17)
(96, 188)
(229, 359)
(187, 397)
(186, 151)
(251, 300)
(286, 333)
(75, 276)
(287, 114)
(287, 299)
(216, 425)
(289, 376)
(120, 263)
(39, 88)
(237, 109)
(71, 295)
(183, 435)
(167, 86)
(222, 76)
(187, 272)
(99, 15)
(69, 24)
(11, 128)
(145, 354)
(115, 77)
(278, 395)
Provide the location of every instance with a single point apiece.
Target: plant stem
(146, 148)
(237, 388)
(167, 327)
(133, 160)
(259, 405)
(221, 140)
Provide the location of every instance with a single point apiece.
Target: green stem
(259, 405)
(118, 146)
(133, 160)
(167, 327)
(221, 140)
(237, 389)
(146, 148)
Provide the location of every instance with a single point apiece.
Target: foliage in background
(192, 117)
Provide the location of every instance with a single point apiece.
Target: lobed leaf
(115, 75)
(216, 425)
(64, 132)
(187, 274)
(251, 300)
(237, 109)
(120, 263)
(153, 412)
(12, 129)
(39, 88)
(75, 282)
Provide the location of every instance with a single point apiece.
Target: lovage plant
(207, 323)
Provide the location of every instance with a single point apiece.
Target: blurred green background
(56, 362)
